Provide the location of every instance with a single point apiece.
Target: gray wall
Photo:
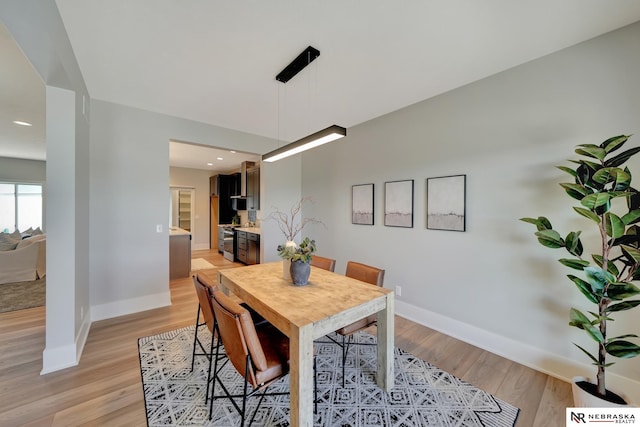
(492, 285)
(129, 198)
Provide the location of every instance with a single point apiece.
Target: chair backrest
(324, 263)
(204, 290)
(239, 336)
(365, 273)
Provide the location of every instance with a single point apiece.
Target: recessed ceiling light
(20, 123)
(220, 158)
(232, 152)
(209, 164)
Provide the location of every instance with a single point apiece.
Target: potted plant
(300, 257)
(602, 185)
(291, 224)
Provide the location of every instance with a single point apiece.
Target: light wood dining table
(305, 313)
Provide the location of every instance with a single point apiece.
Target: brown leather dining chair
(260, 353)
(204, 288)
(373, 276)
(324, 263)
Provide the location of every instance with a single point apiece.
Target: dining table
(305, 313)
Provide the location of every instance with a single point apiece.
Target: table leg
(301, 376)
(385, 377)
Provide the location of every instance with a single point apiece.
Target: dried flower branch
(290, 223)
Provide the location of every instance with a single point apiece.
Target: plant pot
(300, 272)
(585, 396)
(286, 263)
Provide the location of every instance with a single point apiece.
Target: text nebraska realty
(595, 417)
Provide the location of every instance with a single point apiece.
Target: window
(20, 206)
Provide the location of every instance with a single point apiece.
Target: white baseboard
(201, 247)
(517, 351)
(55, 359)
(129, 306)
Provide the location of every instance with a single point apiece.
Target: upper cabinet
(253, 188)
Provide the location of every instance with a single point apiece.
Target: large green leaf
(622, 306)
(615, 142)
(550, 239)
(632, 252)
(584, 288)
(592, 201)
(623, 349)
(631, 217)
(613, 225)
(622, 157)
(573, 243)
(620, 290)
(541, 222)
(620, 179)
(577, 264)
(581, 321)
(595, 361)
(591, 150)
(568, 170)
(587, 214)
(576, 191)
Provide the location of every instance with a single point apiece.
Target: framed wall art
(446, 203)
(398, 203)
(362, 204)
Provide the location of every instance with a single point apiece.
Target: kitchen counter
(254, 230)
(179, 253)
(175, 231)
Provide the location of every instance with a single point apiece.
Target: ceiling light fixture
(322, 137)
(21, 123)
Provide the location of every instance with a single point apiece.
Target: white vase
(584, 399)
(286, 263)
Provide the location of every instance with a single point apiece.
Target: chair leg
(315, 386)
(210, 357)
(195, 339)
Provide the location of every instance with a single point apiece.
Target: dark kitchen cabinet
(247, 247)
(253, 188)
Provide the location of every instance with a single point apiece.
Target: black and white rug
(423, 395)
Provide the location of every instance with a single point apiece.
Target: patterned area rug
(21, 295)
(423, 395)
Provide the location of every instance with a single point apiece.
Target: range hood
(241, 189)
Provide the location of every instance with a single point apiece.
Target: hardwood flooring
(105, 388)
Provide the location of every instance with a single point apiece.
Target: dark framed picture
(362, 209)
(446, 209)
(398, 203)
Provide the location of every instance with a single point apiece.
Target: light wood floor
(105, 388)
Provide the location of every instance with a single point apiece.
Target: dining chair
(324, 263)
(204, 289)
(373, 276)
(260, 354)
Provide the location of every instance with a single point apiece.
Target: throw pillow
(7, 242)
(36, 232)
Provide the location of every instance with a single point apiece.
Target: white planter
(584, 399)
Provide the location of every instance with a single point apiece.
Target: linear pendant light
(322, 137)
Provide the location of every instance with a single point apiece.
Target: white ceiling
(215, 61)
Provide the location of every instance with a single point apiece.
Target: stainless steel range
(228, 243)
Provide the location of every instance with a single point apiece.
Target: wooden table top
(326, 295)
